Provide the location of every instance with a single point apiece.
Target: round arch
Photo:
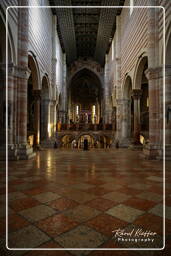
(33, 102)
(66, 140)
(84, 134)
(45, 128)
(128, 112)
(45, 86)
(11, 45)
(85, 96)
(139, 69)
(141, 103)
(34, 68)
(168, 49)
(85, 67)
(127, 87)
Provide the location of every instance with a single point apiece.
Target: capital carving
(154, 73)
(37, 95)
(136, 94)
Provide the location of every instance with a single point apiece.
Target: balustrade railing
(86, 127)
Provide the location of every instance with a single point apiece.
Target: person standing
(85, 144)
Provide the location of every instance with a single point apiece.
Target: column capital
(17, 71)
(136, 94)
(37, 95)
(154, 73)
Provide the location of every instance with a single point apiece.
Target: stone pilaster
(125, 139)
(154, 75)
(37, 97)
(107, 97)
(154, 148)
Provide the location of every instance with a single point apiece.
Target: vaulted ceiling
(86, 32)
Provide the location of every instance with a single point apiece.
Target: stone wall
(139, 35)
(33, 43)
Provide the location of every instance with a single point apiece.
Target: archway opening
(33, 106)
(89, 138)
(66, 141)
(144, 105)
(141, 103)
(45, 127)
(128, 111)
(85, 98)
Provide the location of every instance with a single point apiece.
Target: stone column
(10, 111)
(118, 79)
(118, 121)
(45, 117)
(2, 106)
(154, 75)
(24, 150)
(36, 95)
(136, 94)
(153, 149)
(125, 123)
(63, 107)
(107, 107)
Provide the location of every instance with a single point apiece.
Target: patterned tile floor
(75, 199)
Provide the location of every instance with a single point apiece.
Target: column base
(136, 146)
(12, 153)
(151, 151)
(25, 152)
(16, 152)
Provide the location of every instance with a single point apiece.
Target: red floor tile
(16, 222)
(56, 225)
(101, 204)
(24, 203)
(150, 222)
(62, 204)
(105, 224)
(141, 204)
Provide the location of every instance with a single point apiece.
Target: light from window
(77, 110)
(94, 110)
(147, 102)
(131, 3)
(113, 50)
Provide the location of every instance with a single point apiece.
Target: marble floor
(84, 199)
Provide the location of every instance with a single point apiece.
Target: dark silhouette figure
(55, 145)
(85, 144)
